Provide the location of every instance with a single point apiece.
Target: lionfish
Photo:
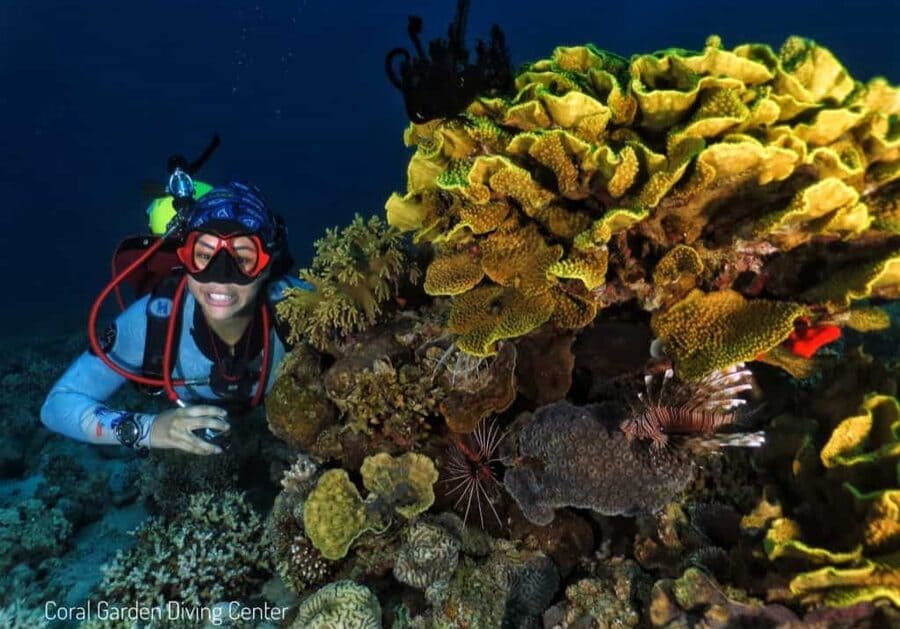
(692, 408)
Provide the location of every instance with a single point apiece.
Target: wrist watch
(128, 431)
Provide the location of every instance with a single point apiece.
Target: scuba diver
(206, 334)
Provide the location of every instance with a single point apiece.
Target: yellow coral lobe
(810, 73)
(680, 260)
(611, 223)
(406, 213)
(845, 586)
(410, 475)
(587, 265)
(867, 319)
(453, 273)
(709, 331)
(519, 259)
(334, 514)
(878, 278)
(565, 155)
(487, 314)
(783, 540)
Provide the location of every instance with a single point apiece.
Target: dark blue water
(95, 94)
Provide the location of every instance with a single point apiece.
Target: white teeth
(219, 297)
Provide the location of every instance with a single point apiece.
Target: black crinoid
(474, 470)
(442, 83)
(668, 406)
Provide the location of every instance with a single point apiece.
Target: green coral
(353, 274)
(335, 514)
(31, 531)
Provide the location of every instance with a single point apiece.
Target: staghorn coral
(340, 604)
(354, 273)
(576, 456)
(210, 552)
(606, 180)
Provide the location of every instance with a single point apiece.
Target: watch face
(128, 432)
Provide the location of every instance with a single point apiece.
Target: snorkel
(181, 187)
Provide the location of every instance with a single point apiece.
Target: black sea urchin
(474, 470)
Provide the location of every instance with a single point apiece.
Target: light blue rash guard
(75, 405)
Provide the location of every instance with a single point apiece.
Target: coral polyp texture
(637, 366)
(606, 180)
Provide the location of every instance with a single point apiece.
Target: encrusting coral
(576, 456)
(335, 514)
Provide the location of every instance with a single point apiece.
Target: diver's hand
(172, 428)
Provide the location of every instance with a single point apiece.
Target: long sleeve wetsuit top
(76, 407)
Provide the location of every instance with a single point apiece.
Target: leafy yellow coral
(709, 331)
(334, 514)
(740, 154)
(487, 314)
(407, 481)
(875, 278)
(680, 260)
(873, 434)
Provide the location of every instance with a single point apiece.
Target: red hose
(166, 382)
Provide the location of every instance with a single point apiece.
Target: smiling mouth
(219, 299)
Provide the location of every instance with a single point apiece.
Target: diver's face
(221, 301)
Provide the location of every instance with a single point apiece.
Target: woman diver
(218, 350)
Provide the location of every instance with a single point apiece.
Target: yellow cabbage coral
(709, 331)
(571, 190)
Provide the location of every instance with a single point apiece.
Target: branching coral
(354, 273)
(210, 552)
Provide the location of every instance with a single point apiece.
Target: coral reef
(353, 273)
(576, 456)
(605, 180)
(341, 604)
(210, 552)
(716, 229)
